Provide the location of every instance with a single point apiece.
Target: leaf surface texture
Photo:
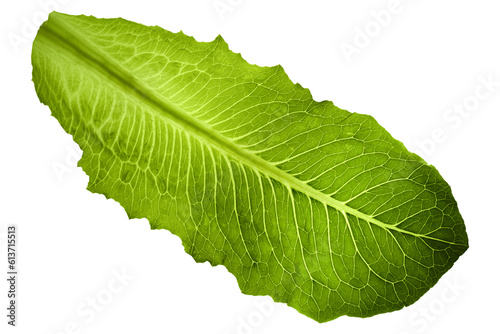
(313, 205)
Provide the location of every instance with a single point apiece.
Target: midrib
(79, 45)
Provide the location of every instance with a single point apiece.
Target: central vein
(58, 31)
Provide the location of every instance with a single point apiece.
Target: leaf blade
(247, 169)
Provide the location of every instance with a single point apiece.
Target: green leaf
(315, 206)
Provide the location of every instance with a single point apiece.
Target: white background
(428, 58)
